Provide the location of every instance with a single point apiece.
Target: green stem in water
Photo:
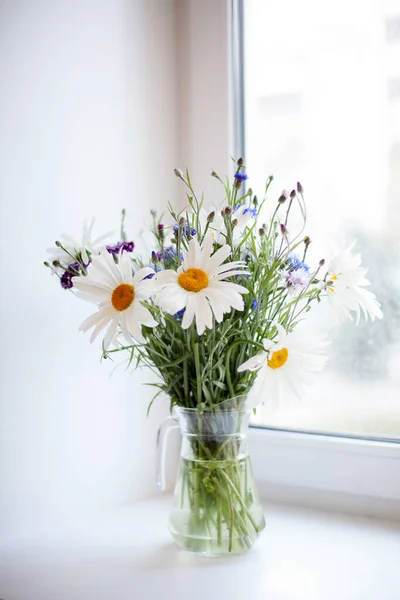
(240, 500)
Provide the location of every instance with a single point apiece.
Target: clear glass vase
(216, 508)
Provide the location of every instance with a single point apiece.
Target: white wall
(205, 112)
(87, 126)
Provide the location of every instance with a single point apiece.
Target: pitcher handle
(164, 430)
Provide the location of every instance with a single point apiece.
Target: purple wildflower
(121, 247)
(66, 278)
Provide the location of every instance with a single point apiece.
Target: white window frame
(319, 470)
(332, 472)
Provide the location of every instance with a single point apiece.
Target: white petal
(225, 274)
(253, 363)
(141, 274)
(172, 300)
(217, 305)
(99, 327)
(203, 313)
(110, 335)
(126, 266)
(100, 290)
(135, 328)
(165, 277)
(143, 315)
(124, 328)
(192, 256)
(188, 315)
(96, 317)
(217, 259)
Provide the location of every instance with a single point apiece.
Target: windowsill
(128, 553)
(325, 472)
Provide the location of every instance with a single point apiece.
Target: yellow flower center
(193, 280)
(333, 278)
(278, 358)
(123, 296)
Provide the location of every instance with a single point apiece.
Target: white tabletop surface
(128, 554)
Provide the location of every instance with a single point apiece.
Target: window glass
(322, 105)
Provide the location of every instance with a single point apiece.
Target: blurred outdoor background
(322, 105)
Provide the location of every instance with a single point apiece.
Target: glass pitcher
(216, 508)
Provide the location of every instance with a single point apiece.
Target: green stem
(198, 372)
(240, 500)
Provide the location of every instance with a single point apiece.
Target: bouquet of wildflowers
(217, 312)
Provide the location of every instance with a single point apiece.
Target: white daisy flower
(286, 367)
(72, 247)
(199, 286)
(118, 293)
(345, 287)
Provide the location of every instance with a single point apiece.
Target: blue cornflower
(242, 278)
(295, 263)
(179, 314)
(246, 211)
(241, 176)
(186, 230)
(170, 255)
(253, 304)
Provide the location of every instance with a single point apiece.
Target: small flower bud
(282, 198)
(250, 192)
(46, 264)
(322, 262)
(255, 201)
(160, 226)
(178, 173)
(307, 240)
(234, 222)
(293, 194)
(228, 211)
(214, 174)
(300, 188)
(154, 258)
(284, 230)
(58, 244)
(181, 222)
(261, 231)
(56, 263)
(211, 217)
(240, 162)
